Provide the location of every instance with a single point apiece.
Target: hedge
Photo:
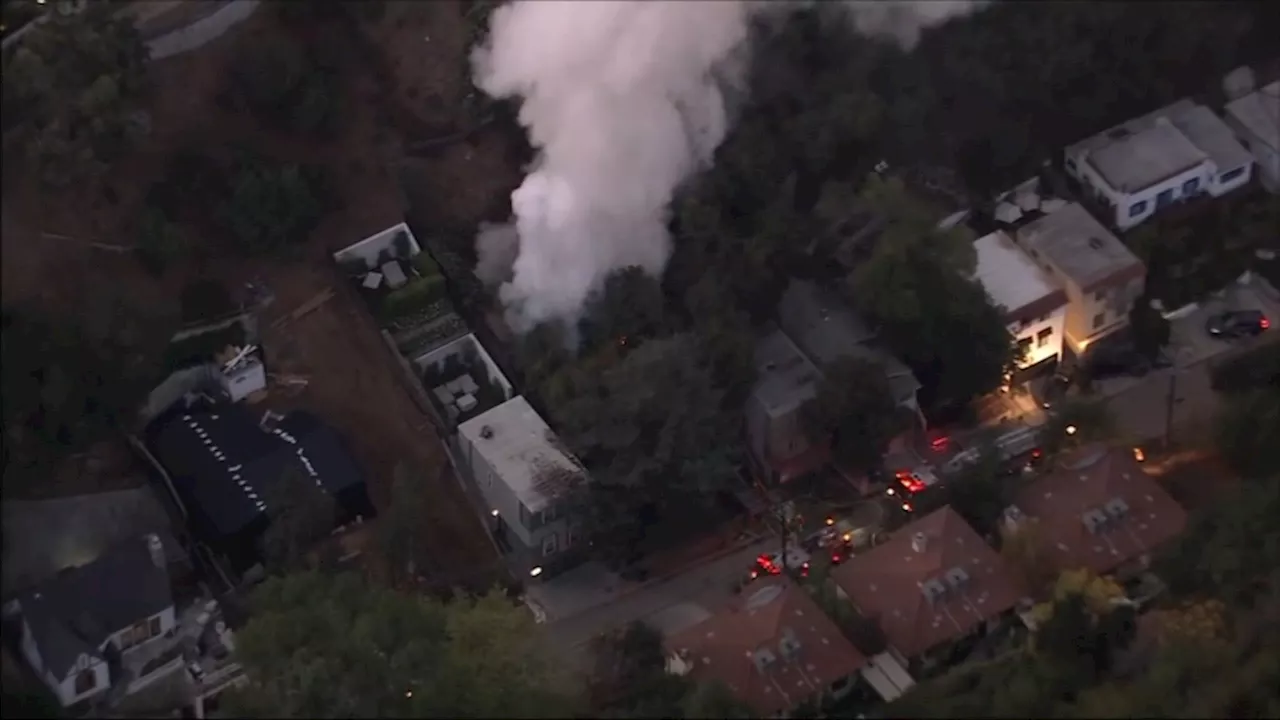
(1248, 370)
(418, 293)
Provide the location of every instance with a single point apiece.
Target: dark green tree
(271, 207)
(332, 646)
(854, 407)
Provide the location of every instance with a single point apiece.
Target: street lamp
(1071, 429)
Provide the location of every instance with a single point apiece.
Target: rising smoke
(623, 101)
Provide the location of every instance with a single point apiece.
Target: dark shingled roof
(75, 611)
(222, 460)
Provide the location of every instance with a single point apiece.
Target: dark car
(1237, 324)
(1110, 361)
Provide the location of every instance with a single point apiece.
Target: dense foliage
(61, 391)
(855, 409)
(334, 646)
(72, 91)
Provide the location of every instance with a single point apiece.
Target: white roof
(1011, 278)
(518, 446)
(1259, 113)
(1208, 132)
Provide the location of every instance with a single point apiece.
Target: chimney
(919, 542)
(157, 550)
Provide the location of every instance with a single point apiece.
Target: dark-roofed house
(79, 627)
(780, 450)
(220, 460)
(773, 648)
(934, 582)
(1151, 162)
(1099, 511)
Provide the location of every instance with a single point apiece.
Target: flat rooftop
(1080, 247)
(1210, 133)
(1011, 278)
(519, 445)
(785, 378)
(1143, 151)
(1259, 113)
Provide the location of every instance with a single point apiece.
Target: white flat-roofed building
(1255, 118)
(522, 471)
(1034, 304)
(1149, 163)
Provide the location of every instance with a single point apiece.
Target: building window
(86, 681)
(1164, 198)
(1190, 187)
(1137, 208)
(1024, 344)
(1099, 319)
(1227, 177)
(1071, 165)
(1042, 337)
(155, 626)
(549, 545)
(526, 517)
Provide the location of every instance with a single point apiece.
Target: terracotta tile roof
(1090, 481)
(888, 583)
(725, 646)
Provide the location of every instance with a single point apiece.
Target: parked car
(1122, 359)
(1237, 324)
(1055, 389)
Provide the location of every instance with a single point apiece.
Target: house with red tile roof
(773, 647)
(934, 582)
(1098, 510)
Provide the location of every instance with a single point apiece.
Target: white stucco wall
(1055, 322)
(459, 347)
(370, 248)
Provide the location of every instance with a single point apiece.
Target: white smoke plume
(904, 20)
(622, 100)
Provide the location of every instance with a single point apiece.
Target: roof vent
(789, 644)
(486, 432)
(1013, 516)
(919, 542)
(933, 591)
(1095, 243)
(957, 578)
(157, 550)
(763, 660)
(1095, 521)
(1117, 508)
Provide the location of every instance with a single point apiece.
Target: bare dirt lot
(352, 377)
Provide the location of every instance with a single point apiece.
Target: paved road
(708, 584)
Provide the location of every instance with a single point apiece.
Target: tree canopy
(855, 408)
(300, 513)
(271, 207)
(335, 646)
(72, 91)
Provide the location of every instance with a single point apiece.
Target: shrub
(271, 206)
(426, 265)
(417, 294)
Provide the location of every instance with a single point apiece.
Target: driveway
(1192, 348)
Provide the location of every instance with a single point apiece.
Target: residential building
(1034, 304)
(81, 630)
(934, 582)
(1147, 164)
(1255, 118)
(522, 471)
(1100, 276)
(218, 461)
(1098, 510)
(773, 648)
(826, 329)
(780, 450)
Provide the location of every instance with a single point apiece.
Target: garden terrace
(404, 288)
(462, 380)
